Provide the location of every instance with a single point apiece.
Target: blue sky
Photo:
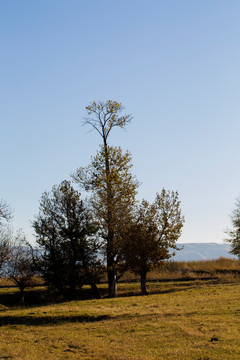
(173, 64)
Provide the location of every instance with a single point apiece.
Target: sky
(173, 64)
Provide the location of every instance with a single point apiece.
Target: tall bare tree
(109, 165)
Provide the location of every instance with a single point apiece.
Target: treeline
(72, 233)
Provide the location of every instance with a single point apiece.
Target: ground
(191, 321)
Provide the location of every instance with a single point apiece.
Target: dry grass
(203, 265)
(224, 269)
(175, 325)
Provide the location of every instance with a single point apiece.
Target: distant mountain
(202, 251)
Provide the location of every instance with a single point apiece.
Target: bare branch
(106, 116)
(5, 211)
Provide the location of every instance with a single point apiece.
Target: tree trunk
(110, 228)
(93, 285)
(112, 284)
(143, 283)
(21, 288)
(72, 290)
(95, 290)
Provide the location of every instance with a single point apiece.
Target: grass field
(184, 320)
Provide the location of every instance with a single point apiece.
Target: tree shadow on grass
(49, 320)
(174, 289)
(42, 296)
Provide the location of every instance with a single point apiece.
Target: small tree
(65, 233)
(234, 233)
(169, 219)
(155, 229)
(20, 267)
(141, 250)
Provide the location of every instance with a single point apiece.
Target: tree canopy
(104, 116)
(65, 233)
(113, 211)
(154, 230)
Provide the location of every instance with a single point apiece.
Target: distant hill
(202, 251)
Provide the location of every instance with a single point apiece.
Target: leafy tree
(110, 181)
(141, 249)
(113, 214)
(20, 266)
(154, 230)
(234, 233)
(169, 218)
(65, 233)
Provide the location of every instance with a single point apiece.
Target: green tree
(154, 231)
(234, 233)
(109, 179)
(113, 214)
(65, 233)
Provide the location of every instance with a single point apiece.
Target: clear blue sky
(173, 64)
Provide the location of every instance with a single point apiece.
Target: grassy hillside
(182, 321)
